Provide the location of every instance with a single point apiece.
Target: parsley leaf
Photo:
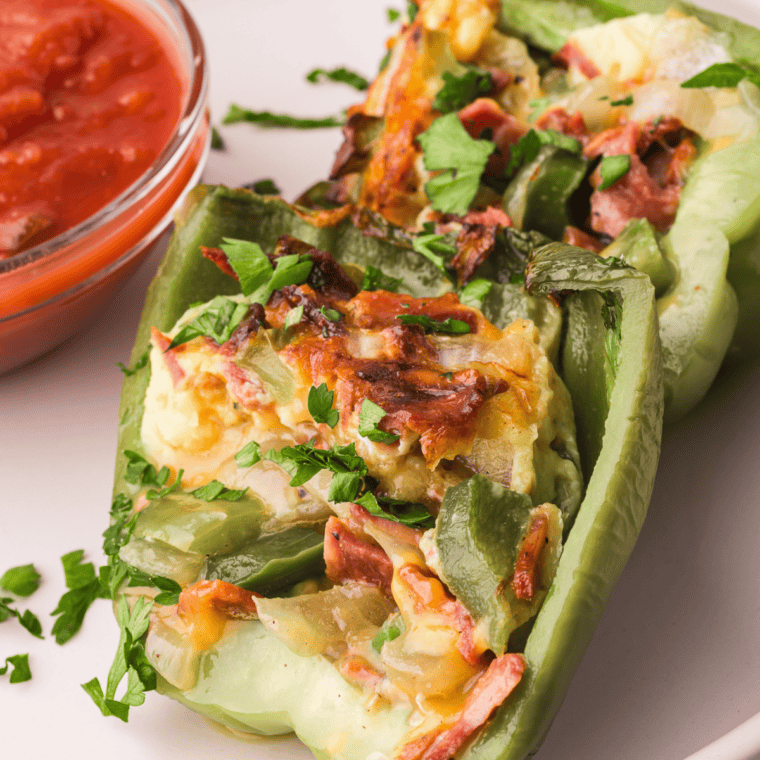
(130, 661)
(722, 75)
(251, 264)
(27, 618)
(331, 314)
(217, 143)
(431, 246)
(391, 629)
(141, 472)
(448, 148)
(612, 168)
(375, 279)
(430, 325)
(170, 589)
(20, 664)
(84, 588)
(320, 405)
(23, 580)
(392, 15)
(370, 415)
(216, 490)
(341, 75)
(294, 316)
(139, 364)
(217, 321)
(152, 494)
(626, 101)
(249, 455)
(527, 147)
(474, 292)
(405, 512)
(264, 187)
(237, 114)
(459, 91)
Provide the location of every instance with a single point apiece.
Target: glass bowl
(51, 291)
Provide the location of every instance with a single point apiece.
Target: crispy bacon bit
(474, 244)
(349, 559)
(570, 55)
(315, 306)
(489, 217)
(325, 217)
(353, 154)
(614, 142)
(505, 130)
(206, 606)
(219, 257)
(560, 121)
(490, 690)
(581, 239)
(243, 333)
(652, 133)
(162, 342)
(526, 578)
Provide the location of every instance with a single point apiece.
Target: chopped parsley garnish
(139, 364)
(294, 316)
(320, 403)
(391, 629)
(527, 147)
(27, 618)
(375, 279)
(217, 321)
(152, 494)
(217, 143)
(249, 455)
(392, 15)
(237, 114)
(626, 101)
(459, 91)
(448, 148)
(429, 325)
(474, 292)
(722, 75)
(612, 168)
(370, 415)
(330, 314)
(20, 664)
(130, 661)
(170, 589)
(405, 512)
(434, 248)
(141, 472)
(264, 187)
(304, 461)
(216, 490)
(23, 580)
(84, 588)
(341, 75)
(412, 9)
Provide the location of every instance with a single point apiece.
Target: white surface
(674, 665)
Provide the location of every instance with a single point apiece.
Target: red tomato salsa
(89, 96)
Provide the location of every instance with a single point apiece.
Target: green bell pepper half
(620, 451)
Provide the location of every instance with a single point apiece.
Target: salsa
(89, 96)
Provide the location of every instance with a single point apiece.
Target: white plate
(674, 665)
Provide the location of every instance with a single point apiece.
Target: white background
(675, 663)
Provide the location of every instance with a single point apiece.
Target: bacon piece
(353, 154)
(325, 217)
(490, 690)
(581, 239)
(561, 121)
(349, 559)
(570, 55)
(486, 114)
(242, 334)
(162, 342)
(489, 217)
(634, 196)
(357, 670)
(614, 142)
(477, 239)
(526, 578)
(219, 257)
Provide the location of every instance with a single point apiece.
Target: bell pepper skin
(621, 448)
(714, 245)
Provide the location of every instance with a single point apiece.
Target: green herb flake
(448, 148)
(722, 75)
(393, 15)
(459, 91)
(217, 143)
(140, 471)
(20, 664)
(626, 101)
(251, 264)
(217, 321)
(370, 415)
(412, 9)
(84, 588)
(375, 279)
(23, 580)
(294, 317)
(139, 364)
(391, 629)
(130, 661)
(332, 315)
(236, 114)
(404, 512)
(429, 325)
(216, 490)
(527, 147)
(265, 186)
(320, 403)
(249, 455)
(340, 75)
(436, 250)
(27, 619)
(474, 292)
(613, 168)
(151, 494)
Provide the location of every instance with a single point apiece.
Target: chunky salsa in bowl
(103, 127)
